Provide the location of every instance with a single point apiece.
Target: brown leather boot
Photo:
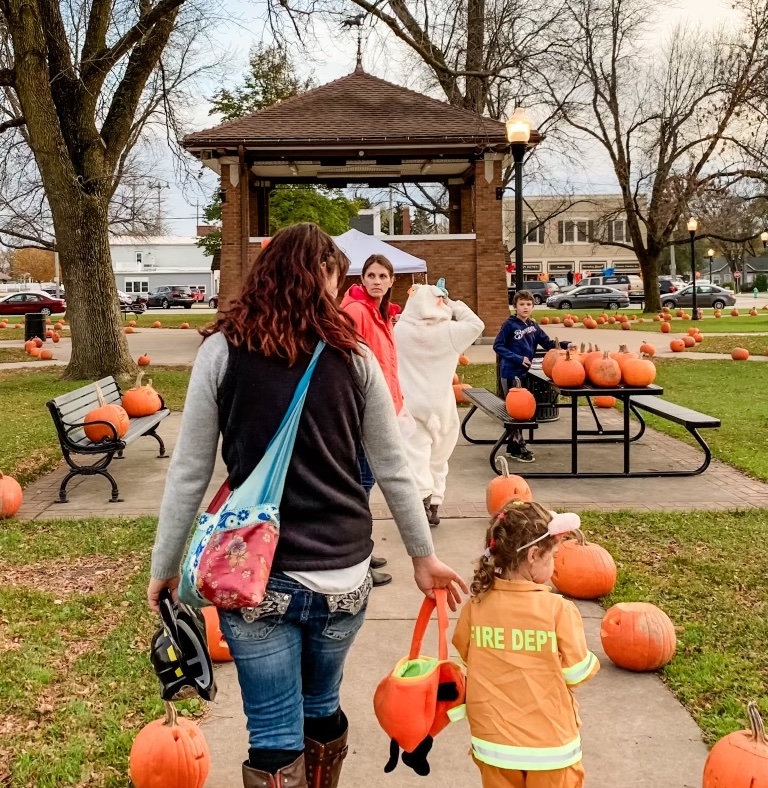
(324, 761)
(293, 776)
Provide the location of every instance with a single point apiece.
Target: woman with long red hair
(290, 650)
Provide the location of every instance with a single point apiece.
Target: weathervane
(357, 21)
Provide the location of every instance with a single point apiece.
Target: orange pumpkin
(568, 323)
(458, 391)
(689, 341)
(184, 325)
(46, 355)
(638, 636)
(639, 372)
(141, 400)
(132, 323)
(112, 414)
(11, 496)
(739, 354)
(622, 355)
(3, 324)
(605, 372)
(58, 326)
(555, 320)
(590, 322)
(657, 318)
(38, 342)
(665, 328)
(49, 334)
(686, 316)
(648, 349)
(463, 360)
(551, 357)
(591, 356)
(679, 313)
(611, 320)
(677, 346)
(217, 645)
(698, 337)
(568, 372)
(169, 753)
(641, 320)
(667, 317)
(143, 360)
(455, 379)
(28, 345)
(129, 330)
(583, 570)
(544, 321)
(625, 325)
(605, 402)
(34, 352)
(520, 403)
(505, 488)
(601, 321)
(157, 324)
(718, 313)
(693, 330)
(55, 338)
(740, 759)
(734, 312)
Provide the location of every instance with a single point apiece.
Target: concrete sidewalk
(632, 724)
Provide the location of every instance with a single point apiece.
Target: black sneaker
(522, 454)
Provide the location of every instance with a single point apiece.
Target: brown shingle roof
(356, 107)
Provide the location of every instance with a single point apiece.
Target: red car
(24, 303)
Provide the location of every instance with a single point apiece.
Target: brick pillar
(467, 209)
(231, 254)
(454, 209)
(259, 210)
(492, 304)
(406, 220)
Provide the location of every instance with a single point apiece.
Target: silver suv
(631, 284)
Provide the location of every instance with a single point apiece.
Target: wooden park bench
(68, 412)
(493, 406)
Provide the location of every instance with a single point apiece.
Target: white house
(142, 263)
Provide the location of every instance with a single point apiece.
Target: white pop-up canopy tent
(358, 247)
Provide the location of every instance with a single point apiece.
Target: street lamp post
(518, 135)
(693, 225)
(710, 255)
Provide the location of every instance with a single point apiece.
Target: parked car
(198, 293)
(671, 284)
(30, 302)
(169, 296)
(213, 302)
(706, 295)
(131, 303)
(539, 290)
(631, 284)
(590, 298)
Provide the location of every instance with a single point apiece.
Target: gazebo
(363, 130)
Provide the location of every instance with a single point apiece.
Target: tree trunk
(649, 265)
(99, 345)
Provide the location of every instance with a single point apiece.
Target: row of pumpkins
(639, 636)
(131, 327)
(136, 402)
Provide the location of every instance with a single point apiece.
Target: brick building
(362, 130)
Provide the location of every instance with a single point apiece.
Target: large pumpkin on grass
(520, 403)
(677, 345)
(638, 636)
(740, 759)
(169, 753)
(739, 354)
(605, 402)
(648, 349)
(141, 400)
(583, 570)
(96, 430)
(505, 488)
(11, 496)
(665, 328)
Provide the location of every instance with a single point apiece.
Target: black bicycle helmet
(179, 652)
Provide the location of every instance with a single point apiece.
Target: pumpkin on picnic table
(638, 372)
(169, 753)
(96, 430)
(583, 570)
(505, 488)
(638, 636)
(605, 371)
(520, 403)
(740, 759)
(568, 372)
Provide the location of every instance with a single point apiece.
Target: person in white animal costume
(430, 335)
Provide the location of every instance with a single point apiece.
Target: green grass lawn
(74, 635)
(172, 318)
(756, 345)
(735, 393)
(709, 325)
(8, 354)
(28, 443)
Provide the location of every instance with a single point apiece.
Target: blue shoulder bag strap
(266, 482)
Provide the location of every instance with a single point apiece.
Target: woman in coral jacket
(369, 306)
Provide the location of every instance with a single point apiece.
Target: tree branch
(8, 77)
(12, 124)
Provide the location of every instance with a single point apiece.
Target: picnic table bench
(68, 412)
(634, 400)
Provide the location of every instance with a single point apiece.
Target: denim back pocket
(256, 623)
(346, 612)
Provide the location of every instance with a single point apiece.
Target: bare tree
(85, 81)
(674, 123)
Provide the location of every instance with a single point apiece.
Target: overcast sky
(336, 58)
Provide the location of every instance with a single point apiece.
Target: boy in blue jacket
(516, 346)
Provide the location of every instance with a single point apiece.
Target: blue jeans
(367, 479)
(289, 653)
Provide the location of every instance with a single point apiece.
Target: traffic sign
(737, 274)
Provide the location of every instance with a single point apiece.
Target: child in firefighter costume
(430, 335)
(525, 652)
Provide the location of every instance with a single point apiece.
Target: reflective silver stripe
(533, 759)
(457, 713)
(577, 673)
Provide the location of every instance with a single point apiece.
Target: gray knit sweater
(193, 459)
